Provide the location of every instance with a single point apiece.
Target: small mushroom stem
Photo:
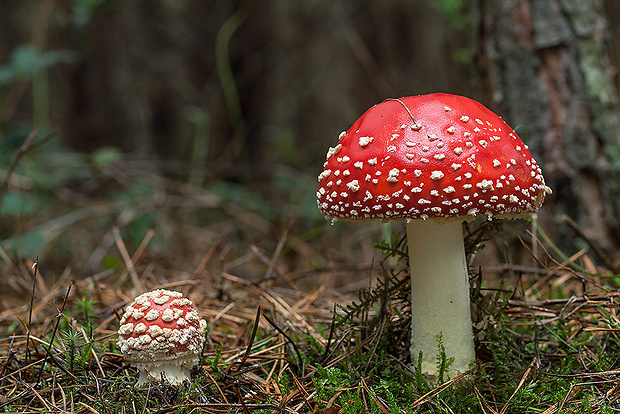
(172, 373)
(439, 297)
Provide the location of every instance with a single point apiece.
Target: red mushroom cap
(160, 326)
(429, 156)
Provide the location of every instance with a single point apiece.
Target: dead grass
(268, 338)
(34, 372)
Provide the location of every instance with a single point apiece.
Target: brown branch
(27, 146)
(595, 247)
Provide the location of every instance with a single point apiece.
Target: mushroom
(435, 161)
(162, 335)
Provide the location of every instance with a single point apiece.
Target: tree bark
(547, 67)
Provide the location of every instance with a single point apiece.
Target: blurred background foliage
(204, 118)
(231, 85)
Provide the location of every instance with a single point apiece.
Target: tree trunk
(547, 66)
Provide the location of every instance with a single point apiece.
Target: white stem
(439, 296)
(171, 373)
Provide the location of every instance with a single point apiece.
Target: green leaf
(26, 61)
(29, 244)
(110, 262)
(18, 204)
(106, 156)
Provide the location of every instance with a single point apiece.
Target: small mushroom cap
(161, 328)
(430, 156)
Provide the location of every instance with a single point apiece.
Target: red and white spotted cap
(161, 334)
(429, 156)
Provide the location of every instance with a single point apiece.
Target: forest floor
(303, 317)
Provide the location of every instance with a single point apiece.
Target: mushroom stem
(439, 296)
(171, 373)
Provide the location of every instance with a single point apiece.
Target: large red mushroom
(162, 335)
(435, 161)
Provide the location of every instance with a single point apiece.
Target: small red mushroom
(162, 335)
(435, 161)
